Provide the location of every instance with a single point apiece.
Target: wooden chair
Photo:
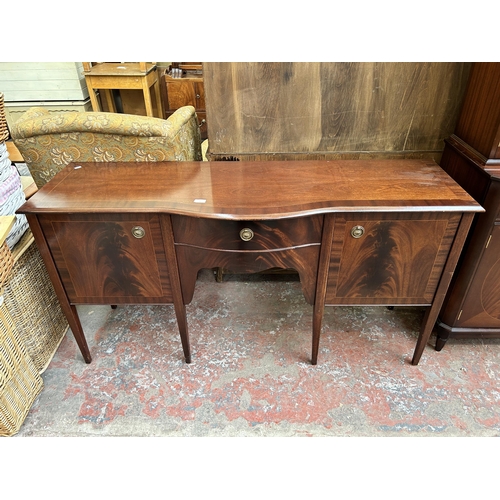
(107, 76)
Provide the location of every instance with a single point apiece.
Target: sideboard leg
(317, 322)
(69, 310)
(321, 283)
(425, 332)
(180, 313)
(76, 328)
(175, 283)
(432, 312)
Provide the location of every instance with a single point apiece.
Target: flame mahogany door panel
(388, 258)
(101, 261)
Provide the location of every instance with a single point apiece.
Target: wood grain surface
(286, 244)
(100, 261)
(331, 110)
(380, 267)
(251, 190)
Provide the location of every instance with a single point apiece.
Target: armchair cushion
(49, 141)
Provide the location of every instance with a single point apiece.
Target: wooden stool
(121, 76)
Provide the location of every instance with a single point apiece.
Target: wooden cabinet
(472, 158)
(187, 90)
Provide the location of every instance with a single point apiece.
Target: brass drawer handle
(357, 231)
(138, 232)
(246, 234)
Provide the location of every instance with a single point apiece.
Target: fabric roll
(11, 196)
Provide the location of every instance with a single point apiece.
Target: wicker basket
(30, 299)
(20, 382)
(4, 131)
(6, 263)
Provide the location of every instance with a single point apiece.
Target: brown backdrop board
(331, 110)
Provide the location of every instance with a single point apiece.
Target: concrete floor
(251, 377)
(251, 374)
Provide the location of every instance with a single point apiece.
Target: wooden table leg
(147, 98)
(432, 312)
(321, 282)
(69, 310)
(158, 99)
(175, 283)
(93, 98)
(109, 100)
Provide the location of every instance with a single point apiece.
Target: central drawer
(258, 236)
(248, 247)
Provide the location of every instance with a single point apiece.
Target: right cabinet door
(389, 258)
(481, 306)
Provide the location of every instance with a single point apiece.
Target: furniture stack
(31, 321)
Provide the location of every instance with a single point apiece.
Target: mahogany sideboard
(377, 232)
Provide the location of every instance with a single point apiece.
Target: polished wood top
(252, 190)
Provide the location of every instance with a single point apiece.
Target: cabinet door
(388, 258)
(181, 93)
(481, 307)
(100, 261)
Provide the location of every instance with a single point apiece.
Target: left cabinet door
(109, 258)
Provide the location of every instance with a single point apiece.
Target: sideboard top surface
(252, 190)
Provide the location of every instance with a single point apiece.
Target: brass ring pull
(138, 232)
(357, 231)
(246, 234)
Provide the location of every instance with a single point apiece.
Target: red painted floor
(251, 375)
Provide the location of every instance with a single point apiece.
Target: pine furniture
(107, 76)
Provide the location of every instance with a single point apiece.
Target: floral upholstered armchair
(49, 141)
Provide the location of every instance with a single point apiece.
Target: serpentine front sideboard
(377, 232)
